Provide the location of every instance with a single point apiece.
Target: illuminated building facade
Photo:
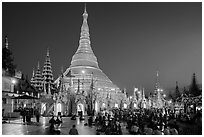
(138, 99)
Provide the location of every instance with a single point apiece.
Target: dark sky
(130, 40)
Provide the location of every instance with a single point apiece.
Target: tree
(194, 90)
(7, 60)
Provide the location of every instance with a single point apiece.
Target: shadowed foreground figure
(73, 131)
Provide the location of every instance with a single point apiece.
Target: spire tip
(85, 14)
(48, 51)
(85, 8)
(38, 65)
(6, 41)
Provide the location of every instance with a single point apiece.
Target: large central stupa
(84, 64)
(87, 88)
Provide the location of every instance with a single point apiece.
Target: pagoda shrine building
(84, 86)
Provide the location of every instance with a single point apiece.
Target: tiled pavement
(16, 127)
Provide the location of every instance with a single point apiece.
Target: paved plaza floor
(16, 127)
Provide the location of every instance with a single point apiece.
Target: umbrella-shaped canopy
(24, 97)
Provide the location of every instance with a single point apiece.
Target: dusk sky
(130, 40)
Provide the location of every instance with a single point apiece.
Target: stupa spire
(85, 8)
(143, 94)
(84, 52)
(84, 38)
(33, 73)
(32, 81)
(134, 93)
(6, 42)
(38, 65)
(157, 82)
(48, 54)
(62, 70)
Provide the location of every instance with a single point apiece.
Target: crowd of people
(138, 121)
(112, 122)
(28, 113)
(135, 121)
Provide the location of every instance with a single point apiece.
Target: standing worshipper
(23, 114)
(37, 115)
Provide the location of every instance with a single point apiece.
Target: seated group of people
(108, 125)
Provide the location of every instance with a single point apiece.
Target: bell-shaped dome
(85, 60)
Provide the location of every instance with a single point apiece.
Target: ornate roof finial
(85, 8)
(33, 72)
(62, 70)
(6, 41)
(85, 14)
(157, 80)
(143, 93)
(32, 81)
(48, 52)
(38, 65)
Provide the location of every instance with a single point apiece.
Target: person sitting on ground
(118, 128)
(167, 131)
(157, 132)
(52, 124)
(108, 131)
(90, 120)
(58, 122)
(147, 131)
(73, 130)
(173, 131)
(73, 117)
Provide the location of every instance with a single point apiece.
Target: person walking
(73, 131)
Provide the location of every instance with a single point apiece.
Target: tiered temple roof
(37, 81)
(47, 74)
